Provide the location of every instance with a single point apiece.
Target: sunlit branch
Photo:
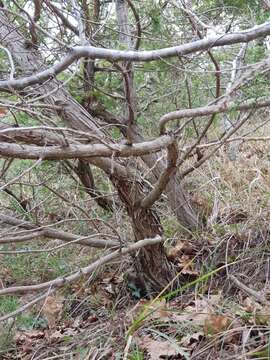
(91, 52)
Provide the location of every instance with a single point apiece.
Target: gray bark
(91, 52)
(177, 197)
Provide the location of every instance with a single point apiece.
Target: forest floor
(222, 310)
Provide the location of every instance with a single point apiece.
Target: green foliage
(237, 5)
(25, 321)
(6, 339)
(136, 354)
(8, 304)
(170, 226)
(38, 266)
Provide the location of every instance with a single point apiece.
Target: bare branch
(193, 19)
(35, 235)
(256, 295)
(222, 107)
(27, 305)
(16, 178)
(51, 233)
(266, 4)
(83, 151)
(59, 13)
(61, 281)
(32, 135)
(138, 24)
(91, 52)
(211, 153)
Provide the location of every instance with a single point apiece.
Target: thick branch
(83, 151)
(42, 231)
(31, 136)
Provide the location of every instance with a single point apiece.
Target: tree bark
(152, 265)
(153, 269)
(178, 199)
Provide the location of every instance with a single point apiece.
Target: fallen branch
(27, 306)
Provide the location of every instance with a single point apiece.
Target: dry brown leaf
(251, 305)
(198, 311)
(158, 349)
(158, 310)
(155, 310)
(215, 324)
(3, 111)
(22, 336)
(55, 336)
(191, 273)
(52, 310)
(202, 204)
(204, 304)
(181, 247)
(195, 318)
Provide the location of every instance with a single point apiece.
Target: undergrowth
(208, 317)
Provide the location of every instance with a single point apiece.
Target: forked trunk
(153, 269)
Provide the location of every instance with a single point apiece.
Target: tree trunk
(76, 117)
(151, 263)
(153, 269)
(178, 199)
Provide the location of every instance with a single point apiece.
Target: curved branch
(59, 13)
(62, 281)
(222, 107)
(91, 52)
(138, 24)
(165, 177)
